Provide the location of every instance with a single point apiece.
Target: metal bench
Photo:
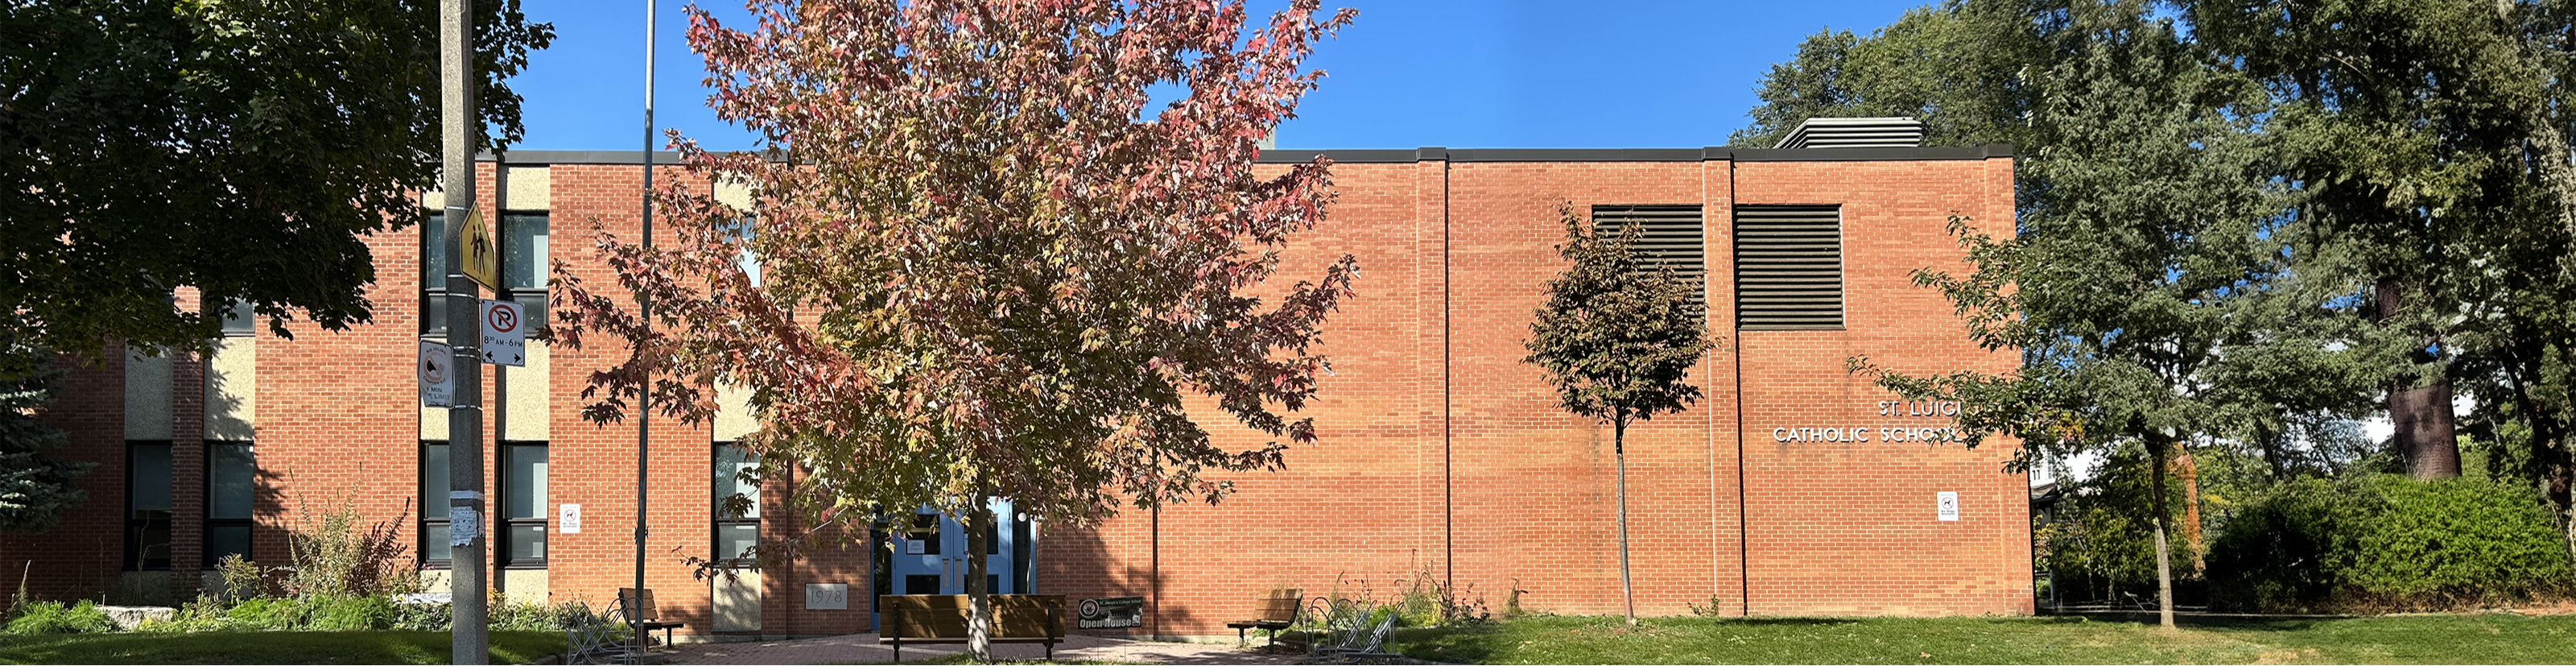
(636, 608)
(1272, 613)
(941, 618)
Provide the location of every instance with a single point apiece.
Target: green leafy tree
(2428, 143)
(1968, 69)
(35, 488)
(987, 270)
(1618, 342)
(2137, 271)
(239, 148)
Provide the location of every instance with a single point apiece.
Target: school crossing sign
(474, 245)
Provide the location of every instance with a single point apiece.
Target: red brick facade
(1440, 451)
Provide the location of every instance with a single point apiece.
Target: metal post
(644, 306)
(459, 127)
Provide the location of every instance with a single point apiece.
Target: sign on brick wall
(1112, 613)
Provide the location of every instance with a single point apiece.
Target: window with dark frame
(433, 272)
(748, 260)
(147, 506)
(523, 262)
(231, 477)
(434, 551)
(925, 529)
(735, 533)
(521, 533)
(240, 320)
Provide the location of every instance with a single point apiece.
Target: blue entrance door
(931, 557)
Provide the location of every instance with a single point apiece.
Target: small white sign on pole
(463, 524)
(1949, 505)
(568, 518)
(437, 381)
(505, 334)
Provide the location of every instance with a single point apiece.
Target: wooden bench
(941, 618)
(1273, 612)
(636, 608)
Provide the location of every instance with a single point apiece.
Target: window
(519, 529)
(735, 533)
(1788, 267)
(147, 506)
(523, 265)
(230, 477)
(433, 274)
(434, 550)
(925, 529)
(1670, 236)
(748, 260)
(523, 262)
(239, 319)
(522, 533)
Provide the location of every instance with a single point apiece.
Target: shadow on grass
(1786, 621)
(2217, 622)
(1456, 645)
(268, 647)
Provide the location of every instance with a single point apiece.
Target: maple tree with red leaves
(983, 271)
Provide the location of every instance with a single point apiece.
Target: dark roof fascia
(1870, 154)
(635, 157)
(1713, 153)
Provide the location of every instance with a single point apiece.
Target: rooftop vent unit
(1895, 132)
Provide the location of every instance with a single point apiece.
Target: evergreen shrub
(2386, 542)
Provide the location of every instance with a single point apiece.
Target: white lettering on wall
(1884, 433)
(1918, 408)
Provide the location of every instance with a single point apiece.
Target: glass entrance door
(930, 557)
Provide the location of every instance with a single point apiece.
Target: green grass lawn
(2470, 639)
(270, 647)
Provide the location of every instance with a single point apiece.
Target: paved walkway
(863, 649)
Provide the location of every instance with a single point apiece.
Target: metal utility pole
(466, 584)
(644, 308)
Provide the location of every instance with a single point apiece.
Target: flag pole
(644, 304)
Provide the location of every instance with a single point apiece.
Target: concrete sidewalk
(864, 649)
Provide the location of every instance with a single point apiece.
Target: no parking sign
(505, 334)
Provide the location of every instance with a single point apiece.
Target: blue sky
(1408, 73)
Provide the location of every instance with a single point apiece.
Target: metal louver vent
(1891, 132)
(1788, 267)
(1671, 236)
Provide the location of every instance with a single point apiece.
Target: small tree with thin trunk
(1619, 342)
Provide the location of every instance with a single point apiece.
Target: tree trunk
(2424, 435)
(979, 606)
(2164, 551)
(2187, 469)
(1619, 450)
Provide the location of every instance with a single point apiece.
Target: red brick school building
(1792, 488)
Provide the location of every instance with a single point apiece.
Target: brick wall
(1443, 454)
(1440, 452)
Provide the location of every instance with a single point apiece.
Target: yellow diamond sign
(474, 246)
